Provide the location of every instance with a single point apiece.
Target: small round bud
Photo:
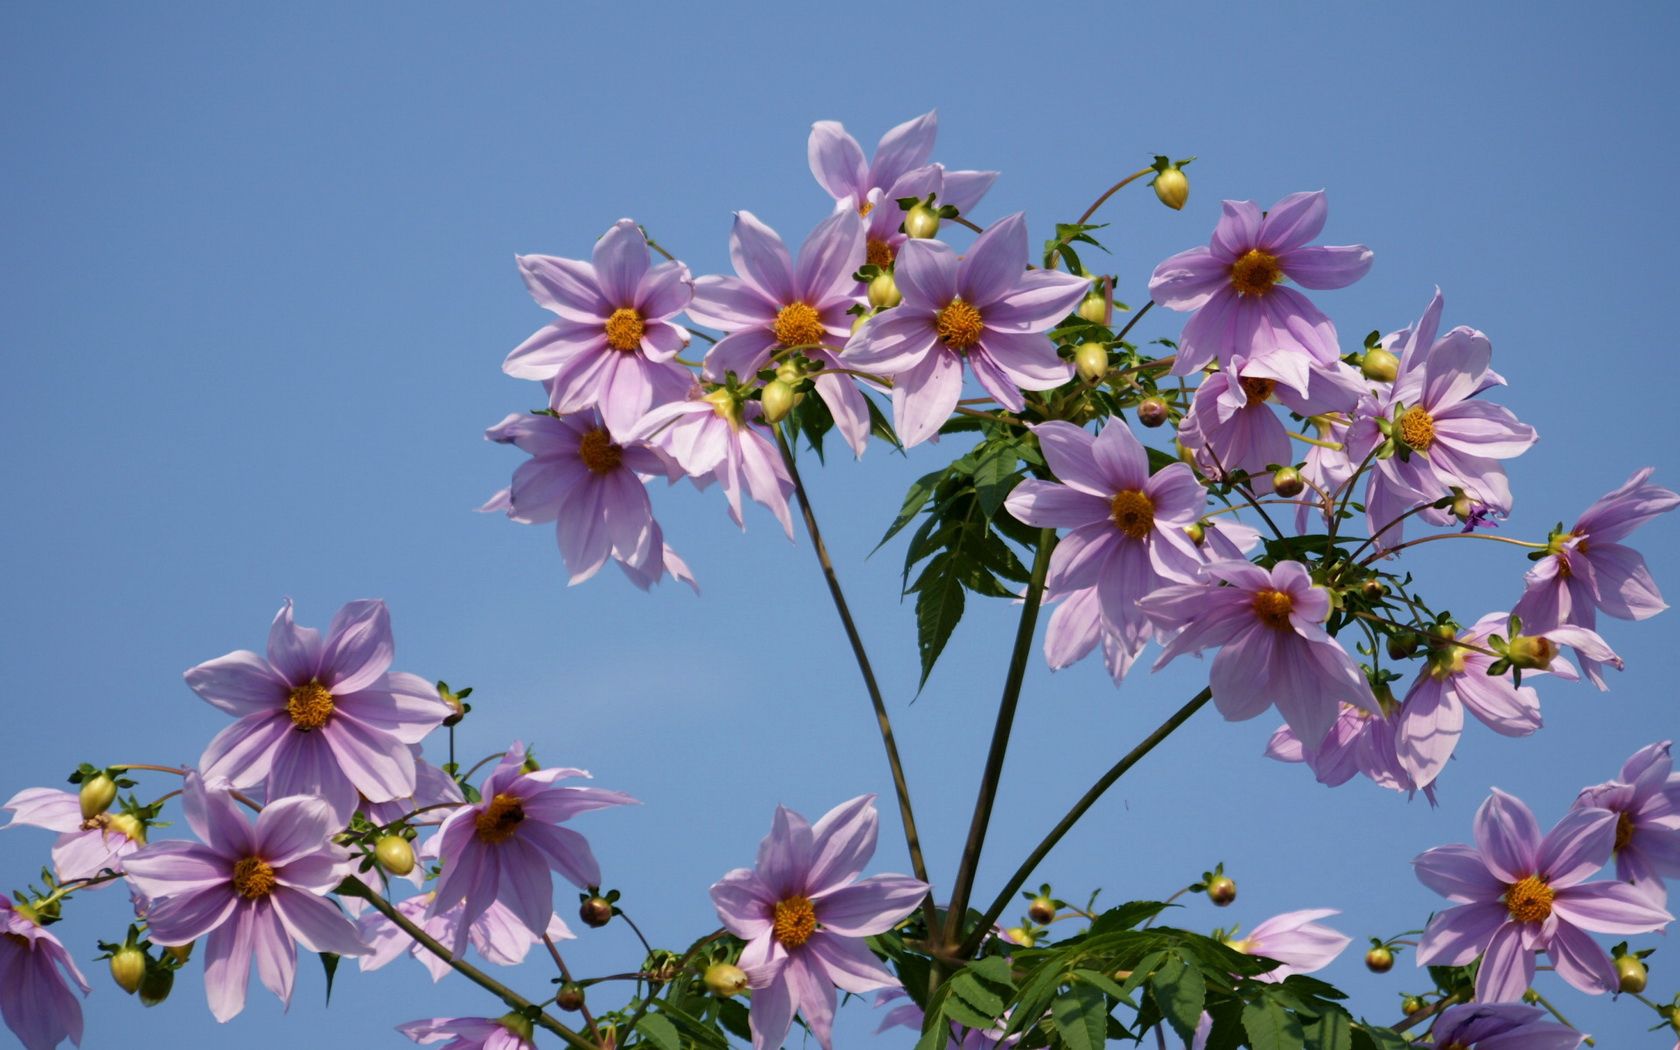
(1411, 1005)
(725, 979)
(98, 792)
(1221, 890)
(1090, 360)
(777, 399)
(1042, 910)
(129, 825)
(596, 912)
(1172, 187)
(395, 854)
(1153, 411)
(1379, 959)
(1531, 997)
(155, 986)
(1531, 653)
(1022, 936)
(1287, 482)
(883, 291)
(921, 221)
(457, 709)
(1402, 644)
(1197, 533)
(1630, 974)
(1374, 590)
(128, 968)
(1674, 1018)
(569, 997)
(1379, 365)
(1093, 308)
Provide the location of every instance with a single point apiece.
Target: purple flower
(85, 847)
(592, 486)
(987, 309)
(1232, 286)
(884, 232)
(320, 718)
(1519, 894)
(1296, 940)
(257, 891)
(804, 914)
(773, 305)
(498, 935)
(502, 848)
(1500, 1026)
(1359, 742)
(1269, 624)
(1233, 427)
(509, 1032)
(714, 437)
(35, 974)
(1077, 624)
(1126, 535)
(1645, 797)
(612, 343)
(432, 786)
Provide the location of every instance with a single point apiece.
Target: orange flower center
(1273, 607)
(1257, 389)
(1417, 428)
(310, 705)
(253, 878)
(1133, 513)
(958, 324)
(1255, 273)
(879, 253)
(1624, 830)
(795, 920)
(598, 451)
(797, 324)
(624, 330)
(500, 819)
(1529, 900)
(865, 208)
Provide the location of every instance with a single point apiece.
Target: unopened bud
(777, 400)
(1531, 653)
(1373, 590)
(98, 792)
(1197, 532)
(395, 854)
(921, 221)
(155, 986)
(1090, 360)
(1411, 1005)
(518, 1024)
(1093, 308)
(1022, 936)
(128, 824)
(180, 952)
(1379, 959)
(1379, 365)
(1287, 482)
(883, 291)
(596, 912)
(1630, 973)
(1402, 644)
(1153, 411)
(1172, 187)
(569, 997)
(1221, 890)
(128, 968)
(1041, 910)
(857, 321)
(725, 979)
(1463, 507)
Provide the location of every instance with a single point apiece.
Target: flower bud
(1379, 959)
(1022, 936)
(1374, 590)
(921, 221)
(155, 986)
(1463, 507)
(726, 980)
(777, 400)
(1221, 890)
(1411, 1005)
(1093, 308)
(518, 1024)
(857, 321)
(1197, 532)
(1153, 411)
(1402, 644)
(883, 291)
(129, 825)
(1531, 653)
(98, 792)
(1090, 360)
(128, 968)
(569, 997)
(180, 952)
(1379, 365)
(1172, 187)
(597, 911)
(395, 854)
(1287, 482)
(1041, 910)
(1630, 973)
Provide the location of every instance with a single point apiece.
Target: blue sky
(259, 281)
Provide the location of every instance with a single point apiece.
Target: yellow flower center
(598, 451)
(1133, 513)
(310, 705)
(1255, 273)
(879, 253)
(724, 405)
(1257, 389)
(253, 878)
(1417, 428)
(1529, 900)
(795, 921)
(1273, 607)
(1624, 830)
(624, 330)
(958, 324)
(865, 208)
(798, 324)
(500, 819)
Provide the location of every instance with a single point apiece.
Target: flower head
(714, 437)
(497, 935)
(86, 846)
(1500, 1026)
(36, 972)
(1645, 797)
(509, 1032)
(804, 913)
(1233, 426)
(1296, 939)
(1358, 743)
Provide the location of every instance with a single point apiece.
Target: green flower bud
(921, 221)
(1379, 959)
(1373, 590)
(128, 968)
(518, 1024)
(1093, 308)
(1172, 187)
(1041, 910)
(1221, 890)
(1402, 644)
(883, 291)
(129, 825)
(1379, 365)
(1530, 653)
(1090, 360)
(395, 854)
(1411, 1005)
(857, 321)
(1630, 972)
(777, 398)
(98, 792)
(569, 997)
(726, 980)
(1153, 411)
(596, 912)
(1287, 482)
(155, 986)
(1197, 533)
(1021, 935)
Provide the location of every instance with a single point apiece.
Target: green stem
(1555, 1012)
(1451, 536)
(682, 965)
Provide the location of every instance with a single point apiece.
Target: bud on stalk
(1153, 411)
(1093, 308)
(1221, 890)
(777, 399)
(921, 222)
(1090, 360)
(883, 291)
(128, 968)
(726, 980)
(395, 855)
(1379, 365)
(1172, 187)
(1287, 482)
(98, 792)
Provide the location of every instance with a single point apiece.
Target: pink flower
(804, 914)
(1645, 796)
(257, 892)
(716, 438)
(85, 847)
(508, 1032)
(497, 935)
(1233, 426)
(1359, 742)
(1296, 940)
(1501, 1026)
(35, 974)
(320, 718)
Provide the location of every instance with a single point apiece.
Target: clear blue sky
(258, 283)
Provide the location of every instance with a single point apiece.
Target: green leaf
(1180, 993)
(969, 989)
(1081, 1015)
(965, 1014)
(939, 605)
(660, 1032)
(329, 963)
(996, 476)
(921, 490)
(1378, 1037)
(1334, 1031)
(1270, 1027)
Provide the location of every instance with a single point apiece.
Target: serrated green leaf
(1081, 1016)
(939, 605)
(1270, 1027)
(1334, 1031)
(660, 1032)
(996, 475)
(1378, 1037)
(967, 987)
(965, 1014)
(1179, 991)
(921, 490)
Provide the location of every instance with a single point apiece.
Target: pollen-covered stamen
(1255, 272)
(1273, 607)
(498, 821)
(798, 324)
(958, 324)
(865, 208)
(1257, 389)
(1417, 428)
(1132, 512)
(1624, 830)
(253, 878)
(879, 253)
(794, 921)
(599, 452)
(624, 330)
(1529, 900)
(310, 705)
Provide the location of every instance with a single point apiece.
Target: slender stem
(353, 888)
(406, 817)
(883, 722)
(566, 974)
(637, 930)
(993, 771)
(1555, 1012)
(1335, 446)
(1168, 360)
(155, 769)
(682, 964)
(1181, 891)
(1347, 494)
(1436, 642)
(480, 764)
(959, 220)
(1111, 191)
(1451, 536)
(1086, 801)
(990, 417)
(1421, 507)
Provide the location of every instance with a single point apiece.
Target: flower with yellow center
(310, 705)
(624, 330)
(1529, 900)
(1417, 428)
(879, 253)
(958, 324)
(1133, 513)
(498, 820)
(1273, 608)
(599, 452)
(794, 920)
(798, 324)
(1258, 389)
(1255, 272)
(253, 878)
